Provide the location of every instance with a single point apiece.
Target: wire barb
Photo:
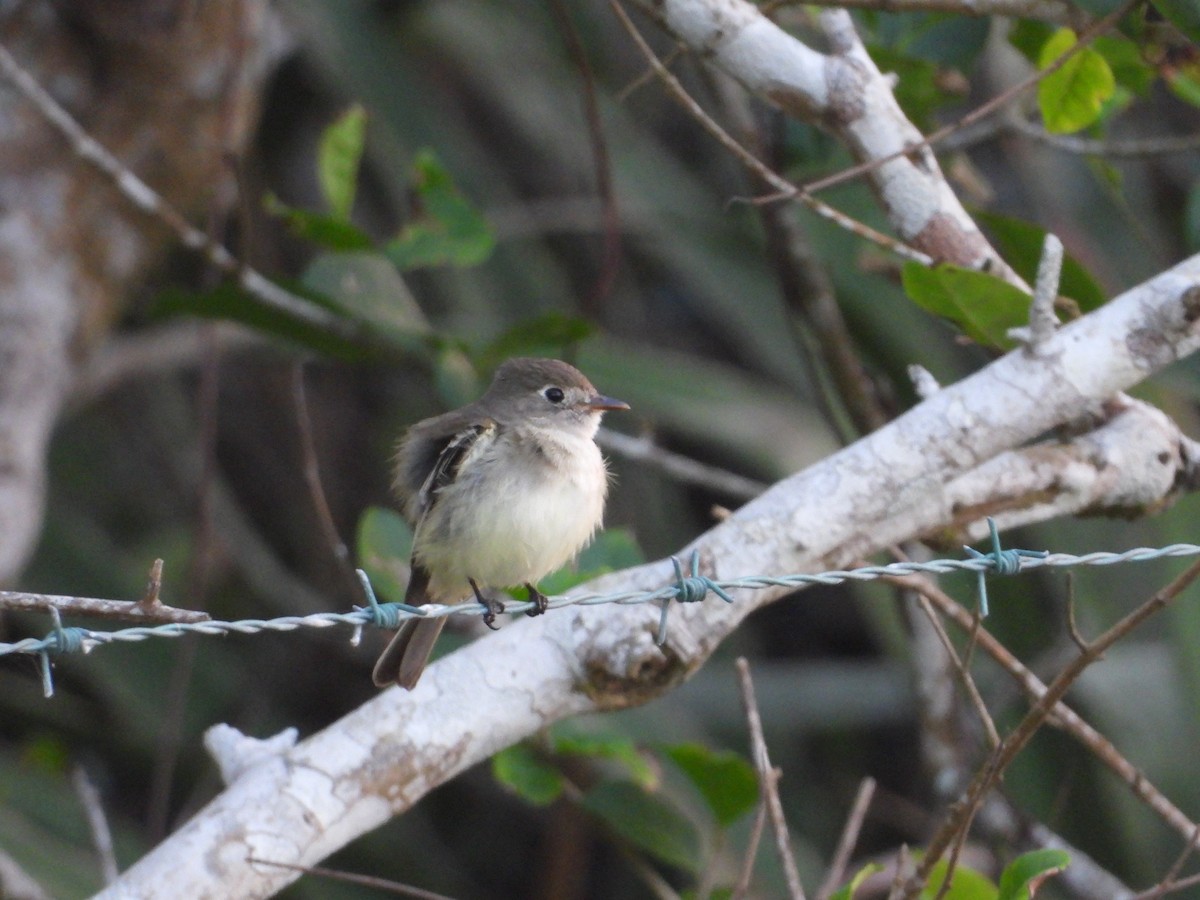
(691, 589)
(383, 615)
(59, 640)
(1003, 562)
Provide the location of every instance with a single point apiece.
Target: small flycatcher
(501, 492)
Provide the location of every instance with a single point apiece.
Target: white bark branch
(304, 803)
(845, 93)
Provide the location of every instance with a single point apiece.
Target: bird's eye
(553, 394)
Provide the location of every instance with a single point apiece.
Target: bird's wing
(445, 469)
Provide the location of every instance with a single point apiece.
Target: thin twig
(768, 781)
(682, 468)
(1169, 879)
(312, 478)
(611, 257)
(94, 607)
(370, 881)
(1181, 885)
(97, 821)
(962, 667)
(849, 839)
(1111, 149)
(785, 189)
(743, 883)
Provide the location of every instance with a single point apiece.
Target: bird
(500, 492)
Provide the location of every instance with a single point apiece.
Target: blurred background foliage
(471, 228)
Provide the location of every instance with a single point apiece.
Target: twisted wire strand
(66, 639)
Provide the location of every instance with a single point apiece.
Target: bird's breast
(519, 509)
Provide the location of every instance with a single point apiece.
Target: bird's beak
(600, 402)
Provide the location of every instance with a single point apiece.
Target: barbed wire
(689, 588)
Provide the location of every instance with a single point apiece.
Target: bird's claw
(539, 600)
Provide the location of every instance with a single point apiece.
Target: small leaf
(966, 884)
(384, 546)
(1185, 84)
(1072, 97)
(983, 306)
(323, 230)
(847, 891)
(447, 230)
(1020, 243)
(370, 289)
(1022, 877)
(1129, 67)
(647, 822)
(531, 777)
(726, 781)
(338, 157)
(606, 745)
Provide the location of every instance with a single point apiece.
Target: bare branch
(92, 607)
(849, 838)
(768, 778)
(89, 796)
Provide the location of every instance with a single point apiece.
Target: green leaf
(982, 305)
(369, 288)
(1183, 14)
(646, 821)
(1128, 65)
(1024, 874)
(608, 746)
(446, 230)
(532, 778)
(726, 781)
(1185, 84)
(966, 884)
(1071, 98)
(339, 154)
(847, 891)
(384, 545)
(326, 231)
(1020, 243)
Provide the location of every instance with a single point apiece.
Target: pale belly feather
(512, 530)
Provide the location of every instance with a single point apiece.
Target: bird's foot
(491, 606)
(539, 600)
